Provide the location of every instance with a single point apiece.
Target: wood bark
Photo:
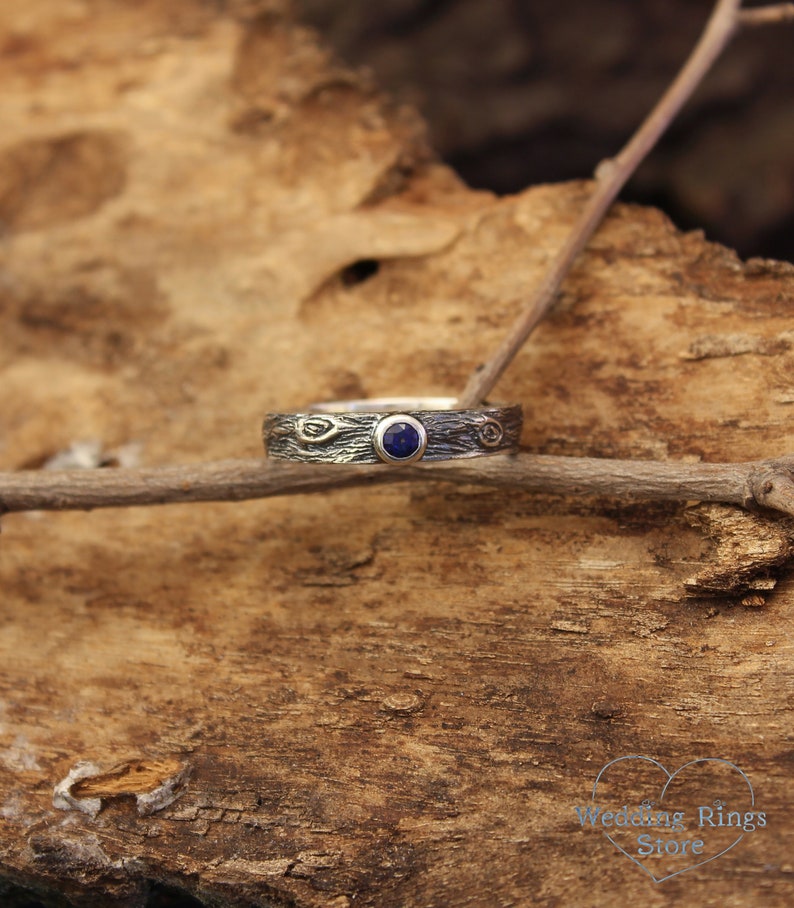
(517, 93)
(390, 696)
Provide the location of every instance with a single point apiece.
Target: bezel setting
(389, 422)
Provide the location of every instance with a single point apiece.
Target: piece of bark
(390, 696)
(748, 551)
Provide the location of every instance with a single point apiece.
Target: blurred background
(518, 92)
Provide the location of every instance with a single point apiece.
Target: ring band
(392, 430)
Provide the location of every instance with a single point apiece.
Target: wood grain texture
(560, 85)
(389, 696)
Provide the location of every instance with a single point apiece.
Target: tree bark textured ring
(392, 430)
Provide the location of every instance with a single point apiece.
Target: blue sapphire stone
(401, 440)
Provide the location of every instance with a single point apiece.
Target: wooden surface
(559, 84)
(391, 696)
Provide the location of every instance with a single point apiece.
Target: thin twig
(767, 484)
(611, 176)
(775, 14)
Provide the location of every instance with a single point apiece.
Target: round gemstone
(401, 440)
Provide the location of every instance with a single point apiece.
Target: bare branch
(775, 14)
(763, 483)
(611, 176)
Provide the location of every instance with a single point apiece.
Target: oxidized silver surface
(352, 431)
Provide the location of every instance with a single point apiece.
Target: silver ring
(392, 430)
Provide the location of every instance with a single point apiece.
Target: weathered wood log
(384, 696)
(559, 86)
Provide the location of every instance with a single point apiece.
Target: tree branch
(611, 176)
(767, 484)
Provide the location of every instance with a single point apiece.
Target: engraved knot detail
(491, 433)
(316, 430)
